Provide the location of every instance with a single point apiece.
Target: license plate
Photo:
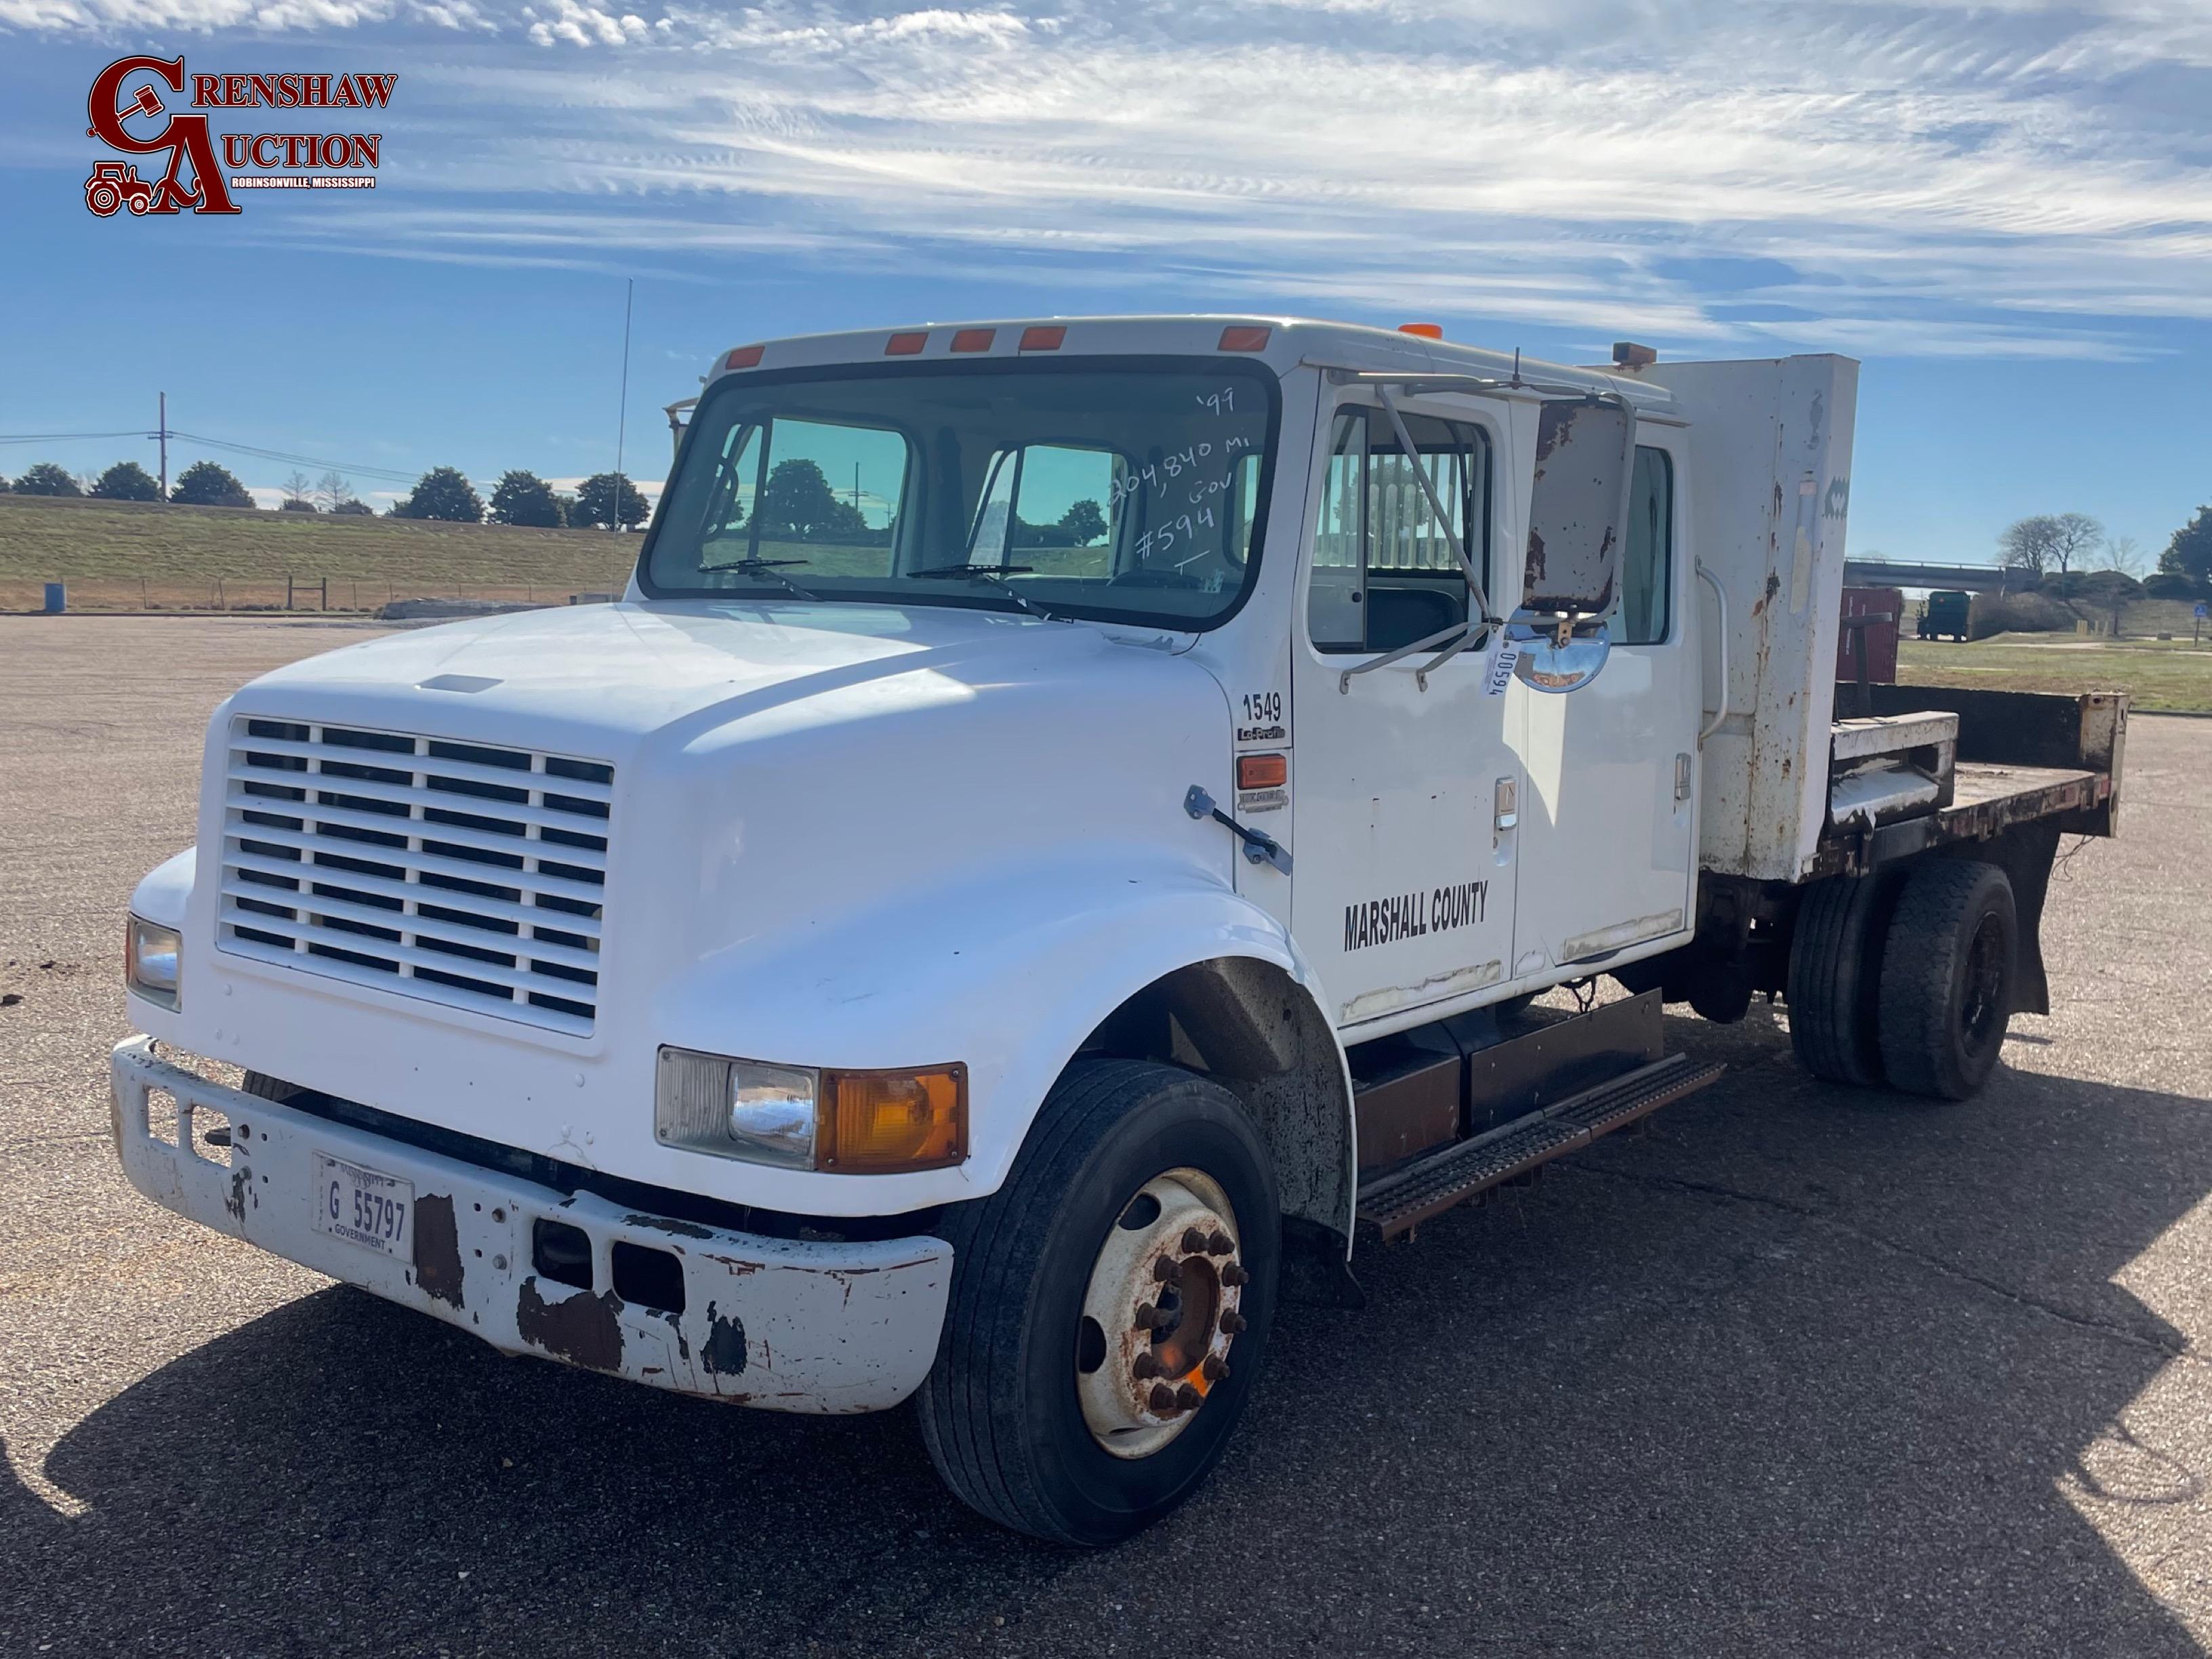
(366, 1207)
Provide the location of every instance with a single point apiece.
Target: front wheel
(1110, 1306)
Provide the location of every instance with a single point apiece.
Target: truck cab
(1056, 841)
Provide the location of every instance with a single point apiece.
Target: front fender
(1008, 973)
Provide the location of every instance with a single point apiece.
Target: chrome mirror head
(1553, 661)
(1578, 507)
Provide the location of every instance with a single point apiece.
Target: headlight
(799, 1118)
(149, 961)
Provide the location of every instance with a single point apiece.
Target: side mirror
(1577, 509)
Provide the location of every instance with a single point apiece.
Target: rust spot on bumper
(438, 1250)
(583, 1330)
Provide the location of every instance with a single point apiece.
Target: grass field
(130, 556)
(2158, 675)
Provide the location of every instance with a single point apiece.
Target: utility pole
(162, 436)
(621, 416)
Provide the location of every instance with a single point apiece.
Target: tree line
(443, 494)
(2071, 554)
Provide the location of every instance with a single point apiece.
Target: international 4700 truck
(1054, 849)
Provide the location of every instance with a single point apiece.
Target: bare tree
(2074, 536)
(2124, 554)
(330, 489)
(2048, 542)
(2024, 543)
(297, 488)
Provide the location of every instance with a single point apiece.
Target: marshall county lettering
(1411, 915)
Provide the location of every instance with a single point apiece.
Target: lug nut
(1163, 1398)
(1188, 1398)
(1216, 1369)
(1146, 1313)
(1194, 1241)
(1232, 1275)
(1220, 1244)
(1232, 1321)
(1145, 1365)
(1167, 1270)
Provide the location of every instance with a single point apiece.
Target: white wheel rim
(1160, 1315)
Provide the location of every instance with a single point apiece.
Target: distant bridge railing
(1896, 573)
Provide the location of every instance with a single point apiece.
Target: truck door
(1404, 890)
(1608, 826)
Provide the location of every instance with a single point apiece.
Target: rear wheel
(1835, 977)
(1110, 1306)
(1948, 976)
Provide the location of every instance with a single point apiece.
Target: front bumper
(790, 1326)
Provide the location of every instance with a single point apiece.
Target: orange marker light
(905, 345)
(1426, 331)
(1262, 771)
(1244, 336)
(880, 1122)
(1045, 336)
(743, 357)
(974, 339)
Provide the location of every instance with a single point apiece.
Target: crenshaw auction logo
(309, 160)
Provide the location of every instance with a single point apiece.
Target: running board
(1401, 1201)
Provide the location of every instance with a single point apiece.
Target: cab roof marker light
(1245, 337)
(1423, 330)
(1044, 337)
(974, 339)
(743, 357)
(906, 345)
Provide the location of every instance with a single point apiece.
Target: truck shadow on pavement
(1802, 1371)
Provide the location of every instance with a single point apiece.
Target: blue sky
(2005, 210)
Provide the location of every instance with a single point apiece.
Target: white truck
(1057, 843)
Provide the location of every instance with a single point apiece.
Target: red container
(1878, 639)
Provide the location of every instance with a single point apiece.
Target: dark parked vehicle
(1944, 616)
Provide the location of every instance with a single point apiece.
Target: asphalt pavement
(1802, 1370)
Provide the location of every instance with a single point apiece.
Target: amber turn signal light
(1262, 771)
(881, 1122)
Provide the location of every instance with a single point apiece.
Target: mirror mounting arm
(1436, 505)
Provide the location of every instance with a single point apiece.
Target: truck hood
(607, 675)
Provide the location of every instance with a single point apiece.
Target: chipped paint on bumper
(785, 1325)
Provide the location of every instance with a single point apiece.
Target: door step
(1401, 1201)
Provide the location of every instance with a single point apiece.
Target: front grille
(460, 872)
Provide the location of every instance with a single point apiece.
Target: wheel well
(1253, 1029)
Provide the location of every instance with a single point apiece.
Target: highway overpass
(1894, 573)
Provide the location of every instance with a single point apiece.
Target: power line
(294, 460)
(63, 437)
(224, 444)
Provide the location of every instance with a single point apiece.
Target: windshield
(1125, 489)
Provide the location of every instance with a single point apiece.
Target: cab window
(1385, 574)
(1647, 565)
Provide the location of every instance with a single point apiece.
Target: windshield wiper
(996, 575)
(768, 568)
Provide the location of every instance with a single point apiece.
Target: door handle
(1505, 814)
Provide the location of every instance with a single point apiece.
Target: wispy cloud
(2023, 179)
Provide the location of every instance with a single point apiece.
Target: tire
(1948, 977)
(103, 199)
(1834, 990)
(1002, 1412)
